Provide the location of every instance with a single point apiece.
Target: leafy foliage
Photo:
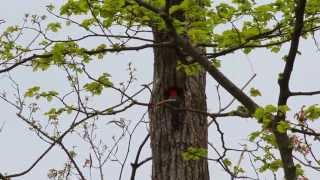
(220, 28)
(194, 153)
(54, 27)
(255, 92)
(32, 91)
(96, 87)
(312, 112)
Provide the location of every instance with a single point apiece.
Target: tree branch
(136, 163)
(286, 74)
(89, 52)
(282, 139)
(304, 93)
(305, 132)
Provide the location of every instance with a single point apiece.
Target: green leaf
(238, 169)
(49, 95)
(283, 108)
(312, 112)
(50, 7)
(270, 108)
(259, 113)
(275, 49)
(299, 170)
(283, 126)
(58, 52)
(11, 29)
(194, 153)
(225, 11)
(190, 70)
(104, 80)
(87, 23)
(54, 27)
(227, 162)
(216, 63)
(280, 76)
(254, 92)
(95, 88)
(52, 114)
(266, 121)
(275, 165)
(75, 7)
(285, 58)
(254, 135)
(269, 138)
(41, 63)
(247, 50)
(32, 91)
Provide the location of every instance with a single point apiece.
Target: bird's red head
(173, 92)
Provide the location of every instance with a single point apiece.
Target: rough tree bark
(172, 131)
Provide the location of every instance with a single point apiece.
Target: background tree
(187, 37)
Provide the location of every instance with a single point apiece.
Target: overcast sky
(20, 147)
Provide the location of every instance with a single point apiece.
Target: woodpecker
(172, 94)
(174, 103)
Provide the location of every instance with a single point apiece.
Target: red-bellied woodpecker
(174, 103)
(172, 95)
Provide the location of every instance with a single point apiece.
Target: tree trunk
(173, 131)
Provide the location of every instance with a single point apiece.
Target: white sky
(19, 147)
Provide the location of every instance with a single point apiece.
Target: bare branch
(305, 132)
(311, 93)
(136, 163)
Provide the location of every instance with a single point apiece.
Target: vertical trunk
(172, 131)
